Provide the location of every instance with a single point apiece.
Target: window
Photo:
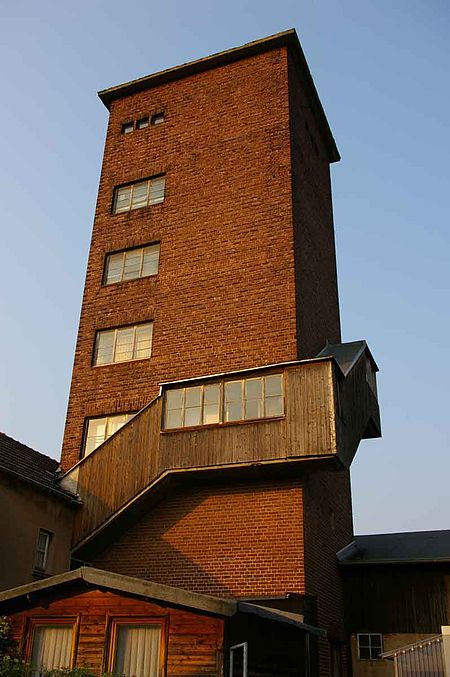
(157, 118)
(51, 645)
(137, 195)
(239, 660)
(244, 399)
(99, 429)
(124, 344)
(42, 548)
(136, 649)
(142, 123)
(127, 128)
(370, 646)
(131, 264)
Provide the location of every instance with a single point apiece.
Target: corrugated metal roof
(29, 465)
(413, 546)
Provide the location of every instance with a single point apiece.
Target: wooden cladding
(141, 452)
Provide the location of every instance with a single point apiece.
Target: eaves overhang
(288, 39)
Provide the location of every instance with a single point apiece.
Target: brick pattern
(328, 527)
(224, 297)
(227, 540)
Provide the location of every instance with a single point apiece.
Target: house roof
(408, 547)
(347, 354)
(30, 466)
(156, 591)
(287, 38)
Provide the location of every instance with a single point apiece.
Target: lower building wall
(193, 641)
(382, 668)
(23, 511)
(234, 539)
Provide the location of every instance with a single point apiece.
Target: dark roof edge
(56, 491)
(287, 38)
(393, 561)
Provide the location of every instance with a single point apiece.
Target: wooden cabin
(112, 623)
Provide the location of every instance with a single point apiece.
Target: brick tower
(213, 411)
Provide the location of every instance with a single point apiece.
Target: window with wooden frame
(225, 402)
(131, 264)
(50, 643)
(101, 428)
(42, 549)
(137, 647)
(370, 646)
(123, 344)
(139, 194)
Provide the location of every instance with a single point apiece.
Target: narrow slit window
(142, 123)
(127, 128)
(157, 118)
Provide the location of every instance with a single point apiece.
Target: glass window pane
(114, 268)
(211, 413)
(211, 394)
(174, 398)
(116, 422)
(193, 396)
(52, 647)
(211, 403)
(363, 640)
(273, 385)
(137, 650)
(142, 123)
(253, 388)
(123, 199)
(364, 652)
(174, 418)
(375, 640)
(274, 406)
(132, 264)
(124, 344)
(96, 433)
(233, 401)
(157, 190)
(151, 260)
(105, 347)
(140, 195)
(192, 416)
(143, 341)
(253, 409)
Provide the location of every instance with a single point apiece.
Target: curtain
(137, 650)
(52, 647)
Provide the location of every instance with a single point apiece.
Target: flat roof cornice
(287, 39)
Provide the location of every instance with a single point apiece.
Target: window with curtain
(51, 647)
(136, 650)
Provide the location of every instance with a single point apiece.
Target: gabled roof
(347, 354)
(287, 39)
(164, 594)
(125, 584)
(30, 466)
(408, 547)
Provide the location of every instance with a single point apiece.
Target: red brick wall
(226, 540)
(315, 255)
(225, 294)
(328, 527)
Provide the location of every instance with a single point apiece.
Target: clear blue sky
(382, 72)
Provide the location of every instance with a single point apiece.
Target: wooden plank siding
(141, 452)
(194, 641)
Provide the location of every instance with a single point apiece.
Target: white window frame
(117, 331)
(131, 187)
(369, 646)
(233, 649)
(222, 387)
(48, 537)
(155, 246)
(109, 418)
